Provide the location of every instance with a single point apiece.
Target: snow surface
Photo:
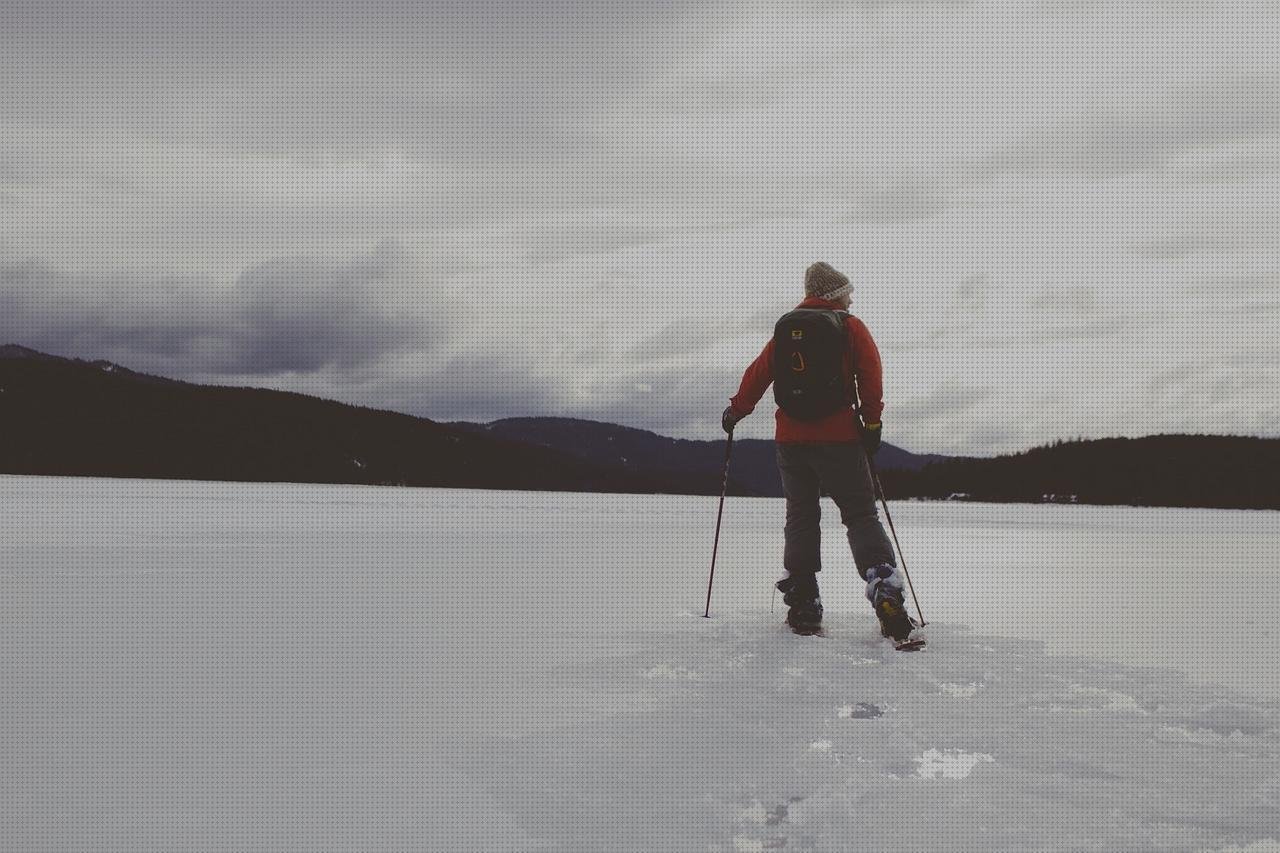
(232, 666)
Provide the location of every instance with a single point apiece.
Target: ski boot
(800, 594)
(885, 592)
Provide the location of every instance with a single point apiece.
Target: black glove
(729, 418)
(871, 438)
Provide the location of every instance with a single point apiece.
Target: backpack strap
(853, 380)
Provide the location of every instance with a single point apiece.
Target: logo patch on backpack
(810, 345)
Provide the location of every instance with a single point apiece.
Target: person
(822, 444)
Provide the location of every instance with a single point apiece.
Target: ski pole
(724, 488)
(901, 558)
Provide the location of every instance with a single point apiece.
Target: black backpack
(809, 345)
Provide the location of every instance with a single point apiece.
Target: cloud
(1136, 123)
(490, 209)
(697, 333)
(469, 384)
(945, 400)
(304, 314)
(1231, 231)
(465, 80)
(299, 314)
(585, 234)
(896, 197)
(1255, 159)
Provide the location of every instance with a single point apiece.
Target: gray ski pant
(840, 470)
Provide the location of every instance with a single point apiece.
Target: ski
(909, 645)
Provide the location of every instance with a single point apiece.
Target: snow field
(229, 666)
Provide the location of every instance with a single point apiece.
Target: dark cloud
(472, 384)
(300, 314)
(305, 314)
(93, 316)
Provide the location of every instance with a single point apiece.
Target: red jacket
(861, 365)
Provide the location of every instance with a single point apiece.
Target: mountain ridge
(752, 462)
(61, 416)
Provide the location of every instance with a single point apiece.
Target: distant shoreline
(68, 417)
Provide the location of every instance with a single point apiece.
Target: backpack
(809, 345)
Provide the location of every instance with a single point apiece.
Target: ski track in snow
(227, 666)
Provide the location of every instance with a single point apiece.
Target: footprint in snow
(961, 691)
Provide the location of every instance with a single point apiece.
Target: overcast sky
(1060, 218)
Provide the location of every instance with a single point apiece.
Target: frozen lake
(219, 666)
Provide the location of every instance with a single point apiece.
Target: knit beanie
(822, 280)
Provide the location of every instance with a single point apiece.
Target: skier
(821, 361)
